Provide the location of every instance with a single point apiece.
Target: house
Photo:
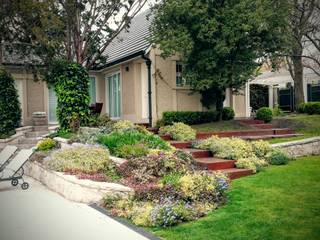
(134, 76)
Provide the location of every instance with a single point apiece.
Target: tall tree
(77, 30)
(304, 49)
(222, 42)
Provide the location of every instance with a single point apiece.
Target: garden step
(28, 141)
(198, 153)
(166, 137)
(215, 163)
(262, 126)
(281, 131)
(36, 134)
(40, 128)
(264, 137)
(250, 121)
(181, 144)
(234, 173)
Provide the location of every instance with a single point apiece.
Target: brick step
(265, 137)
(281, 131)
(181, 144)
(198, 153)
(36, 134)
(234, 173)
(166, 137)
(215, 163)
(262, 126)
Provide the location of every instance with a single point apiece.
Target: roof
(131, 41)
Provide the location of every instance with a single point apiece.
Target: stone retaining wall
(305, 147)
(72, 188)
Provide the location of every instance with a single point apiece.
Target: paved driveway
(39, 214)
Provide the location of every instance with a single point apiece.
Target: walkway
(38, 214)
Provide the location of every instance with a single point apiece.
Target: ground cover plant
(178, 131)
(252, 155)
(219, 126)
(279, 203)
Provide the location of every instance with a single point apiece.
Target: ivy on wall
(71, 84)
(10, 110)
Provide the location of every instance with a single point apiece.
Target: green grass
(280, 203)
(219, 126)
(308, 125)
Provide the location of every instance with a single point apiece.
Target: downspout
(148, 63)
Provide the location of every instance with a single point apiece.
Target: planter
(39, 119)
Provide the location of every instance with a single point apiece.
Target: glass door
(114, 90)
(52, 105)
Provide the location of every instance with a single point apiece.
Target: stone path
(38, 214)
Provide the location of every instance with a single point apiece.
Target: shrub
(46, 144)
(116, 140)
(253, 163)
(261, 148)
(123, 125)
(99, 120)
(264, 114)
(80, 160)
(10, 111)
(71, 84)
(227, 113)
(131, 151)
(203, 186)
(179, 131)
(309, 108)
(189, 117)
(276, 111)
(277, 157)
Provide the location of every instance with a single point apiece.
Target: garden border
(78, 190)
(299, 148)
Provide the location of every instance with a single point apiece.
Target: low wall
(72, 188)
(299, 148)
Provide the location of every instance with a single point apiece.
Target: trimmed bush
(123, 125)
(71, 84)
(227, 113)
(264, 114)
(10, 111)
(179, 131)
(46, 144)
(80, 160)
(253, 163)
(309, 108)
(189, 117)
(277, 157)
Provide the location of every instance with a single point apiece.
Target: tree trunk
(298, 80)
(220, 95)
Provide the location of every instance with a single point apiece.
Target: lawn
(282, 202)
(219, 126)
(308, 125)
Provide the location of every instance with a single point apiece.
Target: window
(180, 81)
(92, 89)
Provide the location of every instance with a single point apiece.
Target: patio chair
(13, 171)
(96, 108)
(6, 154)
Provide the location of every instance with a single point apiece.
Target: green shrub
(309, 108)
(80, 160)
(46, 144)
(116, 140)
(178, 131)
(86, 135)
(131, 151)
(71, 85)
(189, 117)
(99, 120)
(276, 111)
(253, 163)
(227, 113)
(123, 125)
(264, 114)
(261, 148)
(277, 157)
(10, 111)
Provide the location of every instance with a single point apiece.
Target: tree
(304, 47)
(221, 42)
(10, 111)
(75, 30)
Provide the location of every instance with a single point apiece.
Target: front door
(114, 92)
(52, 106)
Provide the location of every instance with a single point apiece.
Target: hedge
(189, 117)
(309, 108)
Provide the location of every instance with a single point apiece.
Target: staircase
(205, 159)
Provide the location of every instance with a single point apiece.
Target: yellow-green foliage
(123, 125)
(179, 131)
(80, 159)
(194, 185)
(253, 163)
(261, 148)
(141, 215)
(46, 144)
